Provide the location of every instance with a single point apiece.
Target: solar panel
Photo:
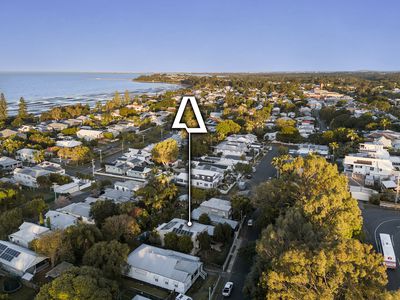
(6, 257)
(12, 252)
(2, 247)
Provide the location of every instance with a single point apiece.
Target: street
(382, 220)
(241, 268)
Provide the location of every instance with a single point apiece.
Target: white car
(226, 292)
(183, 297)
(250, 222)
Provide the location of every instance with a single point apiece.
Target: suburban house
(116, 167)
(6, 133)
(28, 176)
(205, 179)
(57, 126)
(20, 261)
(117, 196)
(139, 172)
(129, 185)
(68, 143)
(306, 149)
(26, 155)
(60, 220)
(27, 233)
(180, 227)
(89, 134)
(167, 269)
(218, 210)
(216, 206)
(80, 210)
(231, 148)
(9, 164)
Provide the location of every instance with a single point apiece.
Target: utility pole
(93, 167)
(397, 188)
(101, 157)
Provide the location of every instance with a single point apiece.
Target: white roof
(29, 231)
(217, 204)
(59, 220)
(389, 184)
(4, 160)
(79, 209)
(17, 257)
(68, 144)
(167, 263)
(180, 227)
(132, 185)
(197, 212)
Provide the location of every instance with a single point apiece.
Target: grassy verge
(199, 289)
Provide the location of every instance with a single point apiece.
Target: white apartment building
(372, 160)
(89, 134)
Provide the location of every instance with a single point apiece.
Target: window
(155, 278)
(166, 282)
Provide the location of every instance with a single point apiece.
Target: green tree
(3, 110)
(81, 238)
(85, 283)
(385, 123)
(171, 240)
(223, 233)
(110, 257)
(10, 220)
(101, 210)
(185, 244)
(22, 109)
(241, 206)
(227, 127)
(122, 228)
(204, 241)
(349, 270)
(165, 152)
(53, 246)
(204, 219)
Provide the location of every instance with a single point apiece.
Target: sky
(199, 36)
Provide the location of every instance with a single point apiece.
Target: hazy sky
(199, 36)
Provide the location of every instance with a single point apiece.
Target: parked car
(227, 291)
(250, 223)
(183, 297)
(249, 176)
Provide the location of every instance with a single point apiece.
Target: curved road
(381, 220)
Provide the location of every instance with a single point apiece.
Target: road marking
(379, 225)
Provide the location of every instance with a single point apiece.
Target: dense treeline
(310, 248)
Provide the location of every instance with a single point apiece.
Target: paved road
(241, 267)
(382, 220)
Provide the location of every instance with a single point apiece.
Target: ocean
(43, 90)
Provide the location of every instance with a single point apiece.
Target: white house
(26, 155)
(231, 148)
(117, 196)
(218, 210)
(129, 185)
(60, 220)
(68, 143)
(9, 164)
(216, 206)
(21, 261)
(205, 179)
(80, 210)
(306, 149)
(27, 176)
(27, 233)
(89, 134)
(167, 269)
(180, 227)
(139, 172)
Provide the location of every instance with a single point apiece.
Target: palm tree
(352, 135)
(385, 123)
(334, 146)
